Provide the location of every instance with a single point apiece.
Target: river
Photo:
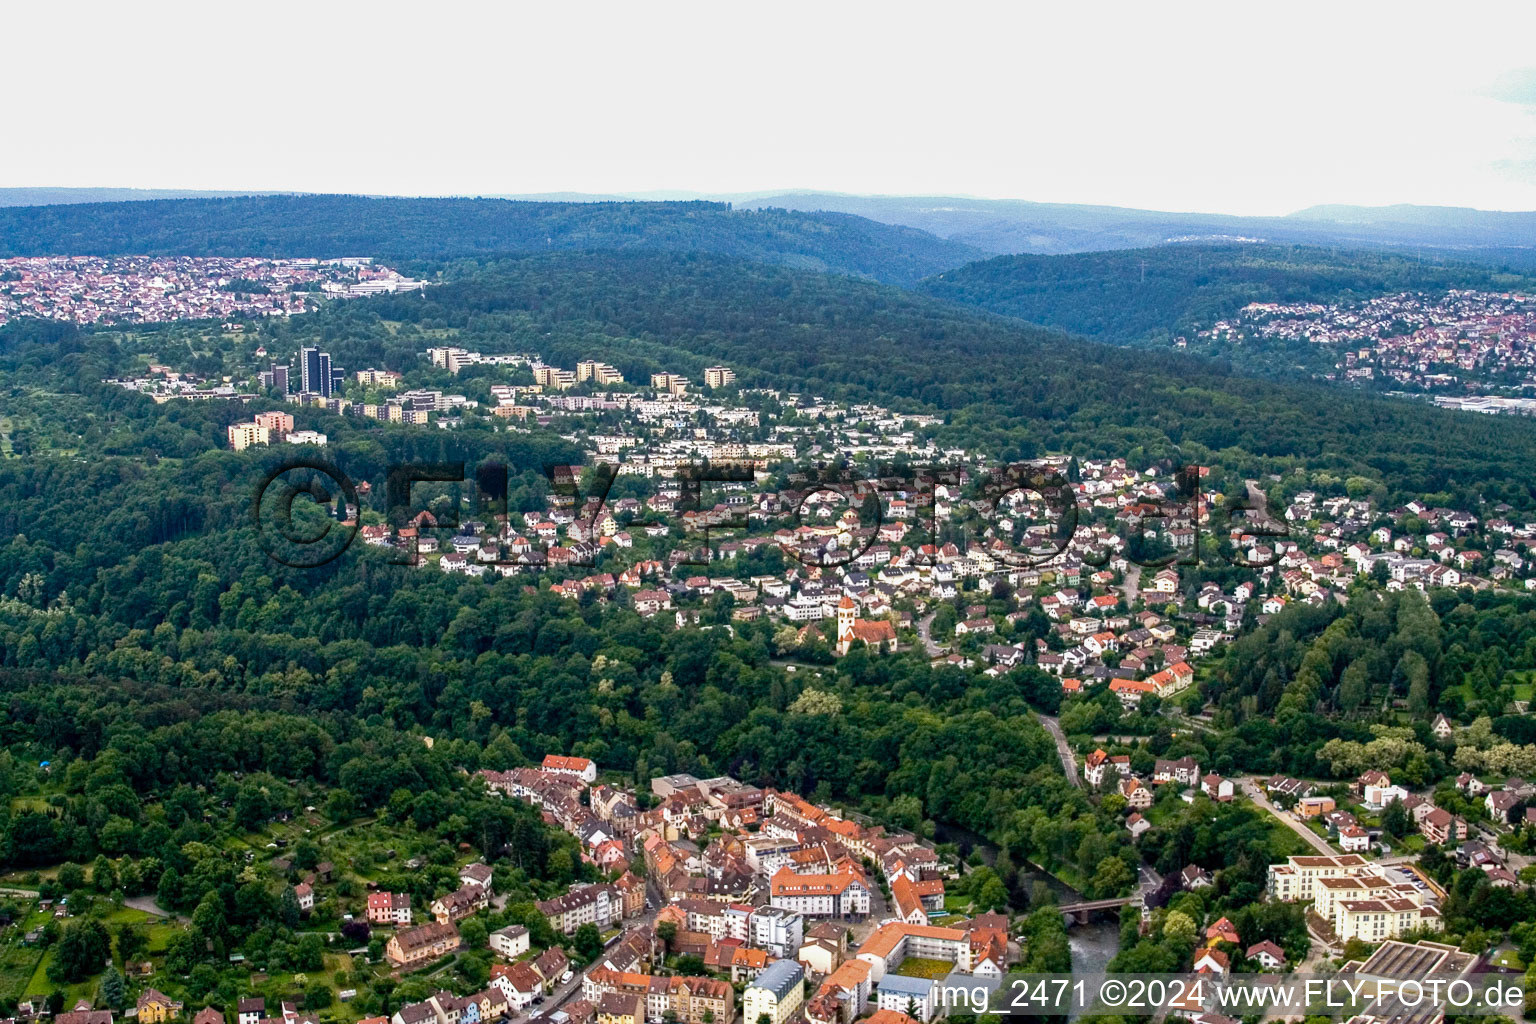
(1094, 944)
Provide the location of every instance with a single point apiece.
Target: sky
(1225, 108)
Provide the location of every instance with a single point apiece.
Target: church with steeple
(879, 634)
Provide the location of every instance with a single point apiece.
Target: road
(554, 1000)
(1068, 759)
(1132, 583)
(925, 633)
(1255, 793)
(1260, 502)
(563, 993)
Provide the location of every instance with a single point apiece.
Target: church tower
(846, 613)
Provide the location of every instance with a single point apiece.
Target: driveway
(1068, 759)
(149, 906)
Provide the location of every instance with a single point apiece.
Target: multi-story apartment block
(601, 373)
(510, 942)
(378, 378)
(843, 894)
(1296, 879)
(554, 377)
(672, 383)
(244, 435)
(778, 930)
(276, 421)
(589, 904)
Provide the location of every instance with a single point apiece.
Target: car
(565, 977)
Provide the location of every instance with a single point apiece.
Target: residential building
(387, 908)
(245, 435)
(843, 894)
(1296, 879)
(510, 942)
(912, 996)
(155, 1007)
(579, 767)
(589, 904)
(776, 993)
(421, 945)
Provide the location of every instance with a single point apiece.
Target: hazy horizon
(1209, 107)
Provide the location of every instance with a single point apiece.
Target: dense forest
(1153, 295)
(432, 229)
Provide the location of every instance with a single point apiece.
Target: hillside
(1153, 294)
(436, 229)
(1006, 387)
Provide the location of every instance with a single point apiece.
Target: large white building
(511, 941)
(839, 895)
(892, 943)
(1358, 899)
(777, 930)
(1296, 879)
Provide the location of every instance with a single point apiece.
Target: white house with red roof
(581, 767)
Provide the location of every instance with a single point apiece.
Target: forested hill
(1132, 295)
(432, 229)
(1011, 389)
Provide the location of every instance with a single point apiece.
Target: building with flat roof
(1296, 879)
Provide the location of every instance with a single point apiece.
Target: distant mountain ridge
(50, 196)
(435, 229)
(1492, 227)
(1007, 226)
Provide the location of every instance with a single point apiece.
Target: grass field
(1508, 958)
(18, 964)
(921, 967)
